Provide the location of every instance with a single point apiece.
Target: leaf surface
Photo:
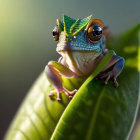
(96, 112)
(136, 133)
(103, 112)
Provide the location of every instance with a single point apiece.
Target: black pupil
(97, 31)
(54, 33)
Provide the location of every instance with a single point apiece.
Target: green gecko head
(81, 34)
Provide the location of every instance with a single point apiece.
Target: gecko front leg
(117, 62)
(54, 70)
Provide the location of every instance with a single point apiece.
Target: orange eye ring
(95, 21)
(94, 29)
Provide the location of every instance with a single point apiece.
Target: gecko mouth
(73, 46)
(77, 49)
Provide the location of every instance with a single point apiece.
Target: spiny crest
(72, 26)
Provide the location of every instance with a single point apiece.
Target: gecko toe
(116, 83)
(59, 99)
(108, 76)
(50, 95)
(70, 97)
(107, 79)
(68, 93)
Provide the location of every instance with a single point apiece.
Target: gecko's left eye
(94, 30)
(94, 33)
(97, 31)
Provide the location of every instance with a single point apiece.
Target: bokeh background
(26, 42)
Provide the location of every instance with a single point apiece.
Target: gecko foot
(109, 75)
(68, 93)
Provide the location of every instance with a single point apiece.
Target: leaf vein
(94, 116)
(22, 132)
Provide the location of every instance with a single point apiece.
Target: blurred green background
(26, 42)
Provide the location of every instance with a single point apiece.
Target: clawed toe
(58, 99)
(116, 83)
(50, 95)
(109, 75)
(70, 97)
(68, 93)
(107, 79)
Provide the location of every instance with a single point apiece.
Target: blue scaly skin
(81, 43)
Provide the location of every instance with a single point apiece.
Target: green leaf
(136, 133)
(38, 114)
(103, 112)
(96, 112)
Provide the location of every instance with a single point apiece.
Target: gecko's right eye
(55, 34)
(56, 30)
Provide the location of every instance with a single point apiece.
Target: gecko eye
(56, 30)
(94, 30)
(55, 34)
(94, 33)
(97, 31)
